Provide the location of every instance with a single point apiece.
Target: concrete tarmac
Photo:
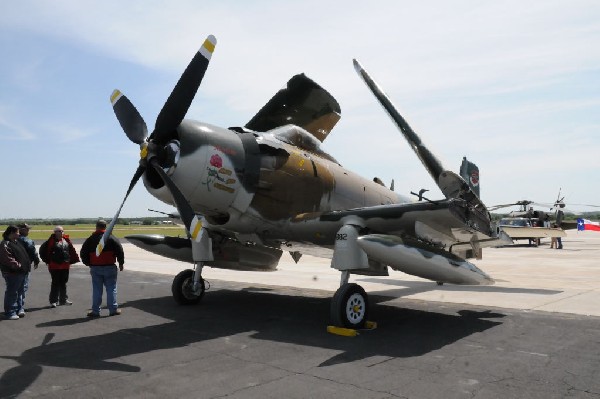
(534, 334)
(527, 278)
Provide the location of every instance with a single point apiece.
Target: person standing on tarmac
(15, 264)
(103, 269)
(59, 254)
(29, 246)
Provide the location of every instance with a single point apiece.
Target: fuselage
(266, 185)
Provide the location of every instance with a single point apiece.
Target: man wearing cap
(33, 257)
(103, 269)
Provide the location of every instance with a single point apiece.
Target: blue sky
(514, 86)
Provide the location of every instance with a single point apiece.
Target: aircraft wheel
(349, 306)
(182, 288)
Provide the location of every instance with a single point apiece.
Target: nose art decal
(218, 175)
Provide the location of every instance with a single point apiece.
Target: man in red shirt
(103, 269)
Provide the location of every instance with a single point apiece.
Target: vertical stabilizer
(470, 172)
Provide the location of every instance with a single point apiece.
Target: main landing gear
(350, 305)
(188, 286)
(183, 288)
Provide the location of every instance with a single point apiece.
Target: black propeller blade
(168, 120)
(130, 119)
(183, 93)
(138, 173)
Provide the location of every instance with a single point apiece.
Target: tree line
(146, 221)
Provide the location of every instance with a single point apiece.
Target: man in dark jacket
(103, 269)
(59, 254)
(29, 246)
(15, 265)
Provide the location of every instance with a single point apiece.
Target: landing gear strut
(350, 304)
(183, 288)
(188, 286)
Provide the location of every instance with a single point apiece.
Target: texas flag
(584, 224)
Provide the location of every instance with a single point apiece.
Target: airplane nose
(168, 158)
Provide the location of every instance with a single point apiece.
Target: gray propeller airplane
(247, 194)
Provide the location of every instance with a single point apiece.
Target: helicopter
(535, 224)
(530, 224)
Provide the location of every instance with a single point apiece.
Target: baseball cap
(101, 224)
(23, 226)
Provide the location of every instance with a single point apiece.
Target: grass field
(42, 232)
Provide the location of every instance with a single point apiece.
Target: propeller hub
(144, 150)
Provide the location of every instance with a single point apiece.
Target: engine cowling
(216, 169)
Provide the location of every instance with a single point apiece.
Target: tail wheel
(350, 306)
(183, 291)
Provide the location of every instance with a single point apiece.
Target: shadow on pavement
(407, 287)
(260, 312)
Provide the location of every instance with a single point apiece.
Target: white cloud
(482, 79)
(417, 48)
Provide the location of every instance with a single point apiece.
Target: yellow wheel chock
(350, 332)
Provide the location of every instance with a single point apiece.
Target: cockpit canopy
(298, 137)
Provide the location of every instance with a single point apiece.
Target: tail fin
(470, 172)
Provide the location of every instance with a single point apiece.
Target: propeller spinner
(159, 146)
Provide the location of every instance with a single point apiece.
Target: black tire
(182, 288)
(350, 306)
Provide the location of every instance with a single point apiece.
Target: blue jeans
(104, 276)
(21, 298)
(15, 292)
